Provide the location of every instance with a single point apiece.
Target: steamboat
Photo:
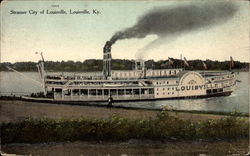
(140, 84)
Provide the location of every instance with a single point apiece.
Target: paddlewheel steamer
(133, 85)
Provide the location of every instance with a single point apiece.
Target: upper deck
(117, 75)
(132, 78)
(134, 75)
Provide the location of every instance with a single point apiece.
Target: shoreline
(132, 147)
(16, 109)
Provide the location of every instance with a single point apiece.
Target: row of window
(222, 78)
(211, 91)
(165, 88)
(170, 72)
(208, 86)
(154, 73)
(225, 84)
(125, 74)
(165, 82)
(142, 91)
(167, 93)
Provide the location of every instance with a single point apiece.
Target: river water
(12, 83)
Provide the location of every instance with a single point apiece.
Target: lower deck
(104, 100)
(103, 94)
(130, 94)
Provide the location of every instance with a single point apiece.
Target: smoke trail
(164, 21)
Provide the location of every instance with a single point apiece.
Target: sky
(79, 37)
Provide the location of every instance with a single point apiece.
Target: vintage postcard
(124, 77)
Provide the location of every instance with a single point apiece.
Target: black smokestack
(107, 60)
(107, 47)
(176, 20)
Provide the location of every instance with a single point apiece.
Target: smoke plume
(176, 20)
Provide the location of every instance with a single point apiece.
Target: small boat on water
(140, 84)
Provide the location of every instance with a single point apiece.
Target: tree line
(123, 64)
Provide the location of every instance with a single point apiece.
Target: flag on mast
(170, 61)
(204, 65)
(185, 62)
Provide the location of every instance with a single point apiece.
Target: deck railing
(103, 98)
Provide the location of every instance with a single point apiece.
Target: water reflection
(238, 100)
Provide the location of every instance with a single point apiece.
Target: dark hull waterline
(105, 102)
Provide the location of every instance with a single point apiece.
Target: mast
(181, 62)
(40, 67)
(230, 65)
(231, 62)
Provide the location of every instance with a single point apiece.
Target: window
(136, 91)
(92, 92)
(128, 91)
(99, 92)
(113, 92)
(84, 92)
(151, 91)
(120, 91)
(209, 91)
